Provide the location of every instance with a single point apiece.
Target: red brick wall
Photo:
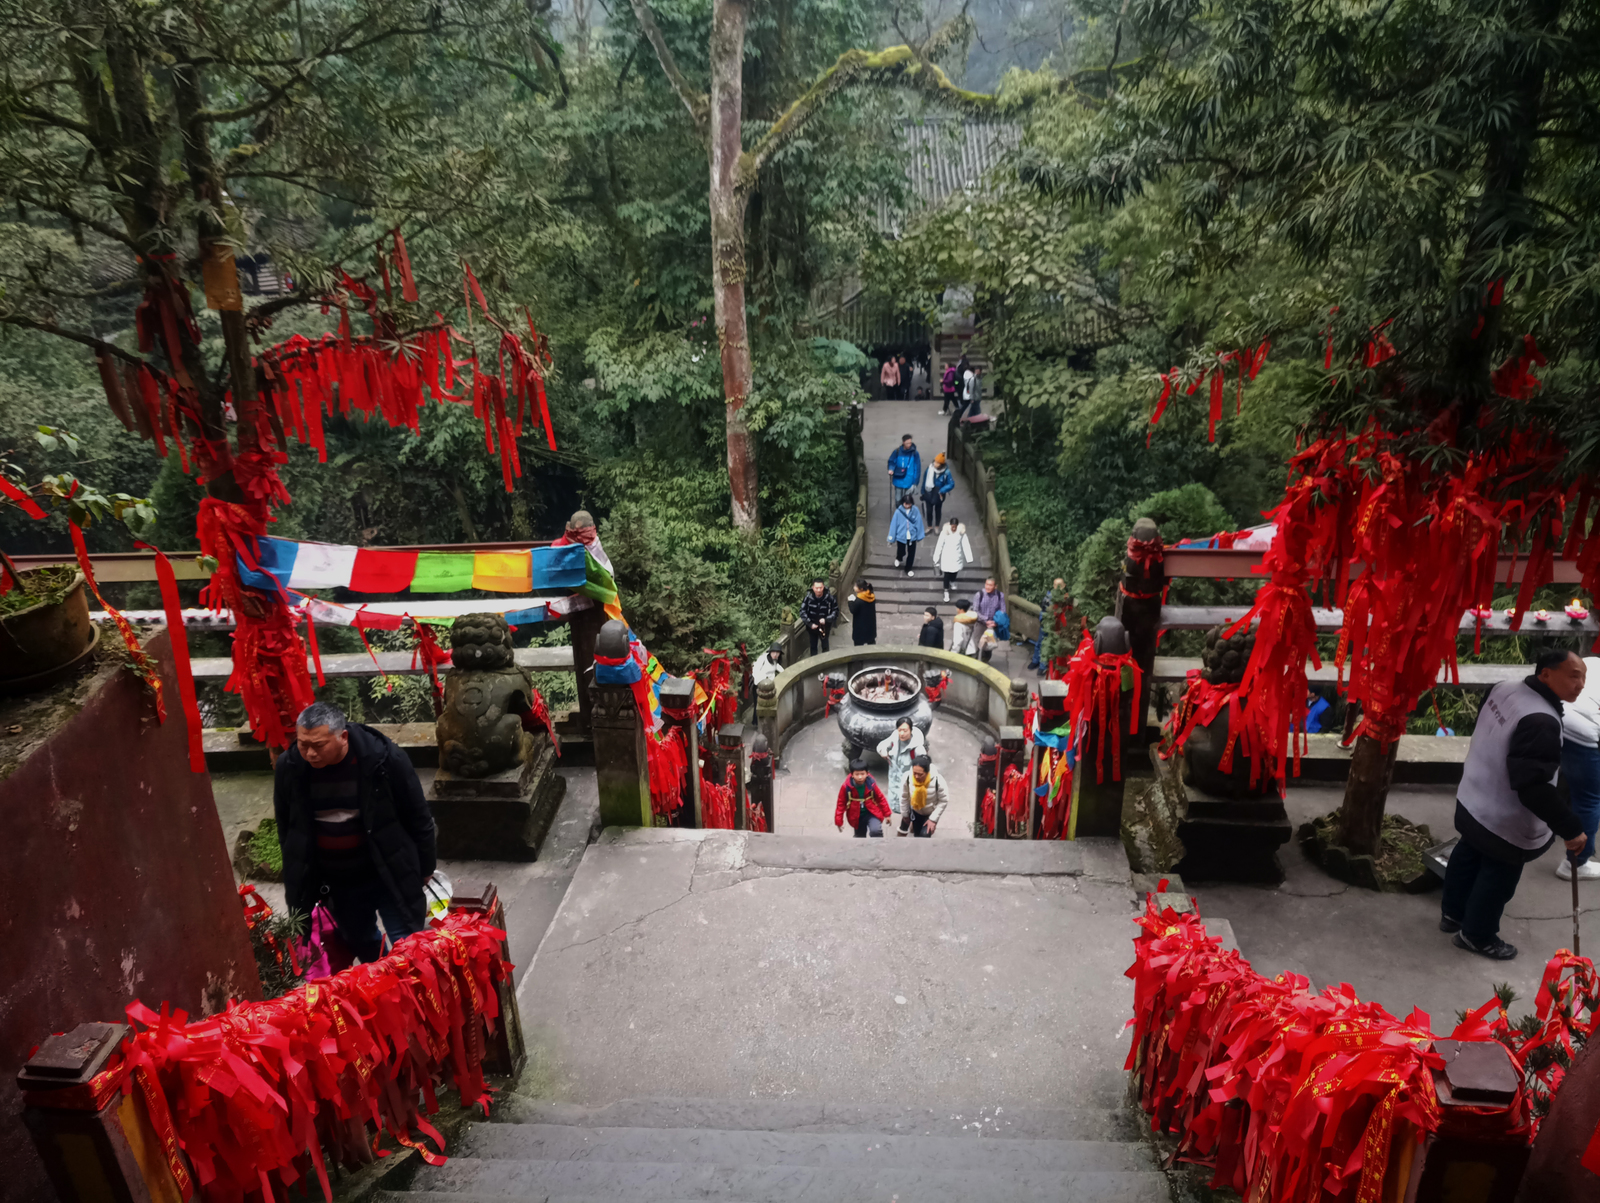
(114, 884)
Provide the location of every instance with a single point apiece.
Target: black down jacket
(394, 814)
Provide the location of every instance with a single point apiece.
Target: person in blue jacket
(905, 532)
(905, 467)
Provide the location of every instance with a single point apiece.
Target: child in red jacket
(862, 802)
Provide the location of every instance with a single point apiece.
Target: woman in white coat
(952, 553)
(905, 744)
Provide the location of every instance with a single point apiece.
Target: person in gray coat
(1507, 804)
(923, 797)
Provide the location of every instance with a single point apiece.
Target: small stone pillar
(505, 1052)
(1016, 702)
(93, 1148)
(988, 779)
(1012, 755)
(677, 711)
(1138, 605)
(762, 789)
(621, 764)
(767, 716)
(1052, 713)
(1099, 803)
(729, 759)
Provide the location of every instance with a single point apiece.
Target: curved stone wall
(977, 693)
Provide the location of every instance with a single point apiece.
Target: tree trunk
(727, 253)
(1365, 792)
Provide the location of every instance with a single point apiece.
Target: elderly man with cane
(1507, 804)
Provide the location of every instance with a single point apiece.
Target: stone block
(503, 816)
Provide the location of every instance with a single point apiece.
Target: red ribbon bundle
(988, 810)
(269, 660)
(1014, 797)
(668, 756)
(253, 1096)
(1202, 701)
(935, 692)
(432, 656)
(1094, 700)
(1249, 362)
(716, 802)
(756, 813)
(256, 910)
(716, 679)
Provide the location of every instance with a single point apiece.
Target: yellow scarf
(919, 794)
(866, 595)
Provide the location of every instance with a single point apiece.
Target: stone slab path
(901, 599)
(726, 965)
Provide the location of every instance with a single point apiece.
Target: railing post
(1138, 605)
(767, 716)
(505, 1052)
(1011, 756)
(761, 791)
(1099, 803)
(1016, 702)
(1052, 713)
(96, 1150)
(621, 764)
(988, 779)
(730, 766)
(677, 711)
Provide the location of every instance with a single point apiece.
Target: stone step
(1110, 1122)
(714, 1146)
(470, 1178)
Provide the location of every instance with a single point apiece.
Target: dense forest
(1190, 182)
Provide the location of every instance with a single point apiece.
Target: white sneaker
(897, 563)
(1588, 871)
(910, 573)
(947, 595)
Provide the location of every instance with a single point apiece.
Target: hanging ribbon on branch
(1247, 362)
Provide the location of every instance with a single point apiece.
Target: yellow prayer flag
(502, 571)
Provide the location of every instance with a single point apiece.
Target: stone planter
(46, 643)
(866, 720)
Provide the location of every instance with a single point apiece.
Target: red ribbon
(178, 634)
(144, 666)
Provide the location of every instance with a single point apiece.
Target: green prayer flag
(442, 572)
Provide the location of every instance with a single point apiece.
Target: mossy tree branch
(898, 66)
(698, 103)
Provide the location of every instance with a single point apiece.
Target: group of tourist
(916, 790)
(962, 388)
(902, 380)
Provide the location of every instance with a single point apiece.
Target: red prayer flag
(383, 571)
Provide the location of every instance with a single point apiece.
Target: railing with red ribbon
(1288, 1095)
(251, 1101)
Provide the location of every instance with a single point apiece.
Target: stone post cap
(731, 736)
(580, 519)
(677, 692)
(759, 745)
(612, 641)
(1011, 737)
(1052, 695)
(1017, 693)
(1145, 530)
(1110, 637)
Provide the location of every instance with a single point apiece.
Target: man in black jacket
(354, 827)
(1507, 803)
(819, 611)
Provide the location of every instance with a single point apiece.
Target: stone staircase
(665, 1150)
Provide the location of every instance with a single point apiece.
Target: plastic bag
(323, 950)
(436, 892)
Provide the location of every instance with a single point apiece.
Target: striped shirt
(335, 794)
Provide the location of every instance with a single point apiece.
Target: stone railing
(967, 459)
(978, 693)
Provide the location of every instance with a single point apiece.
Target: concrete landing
(724, 965)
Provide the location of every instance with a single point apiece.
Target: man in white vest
(1507, 808)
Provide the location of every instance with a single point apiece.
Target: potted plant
(45, 632)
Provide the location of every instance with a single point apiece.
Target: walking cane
(1572, 859)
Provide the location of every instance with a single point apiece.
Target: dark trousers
(918, 824)
(816, 638)
(356, 909)
(1580, 769)
(950, 580)
(932, 510)
(906, 553)
(869, 825)
(1476, 890)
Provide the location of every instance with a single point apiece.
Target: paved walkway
(901, 599)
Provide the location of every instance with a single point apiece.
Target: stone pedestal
(1232, 839)
(503, 816)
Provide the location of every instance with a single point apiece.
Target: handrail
(1228, 563)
